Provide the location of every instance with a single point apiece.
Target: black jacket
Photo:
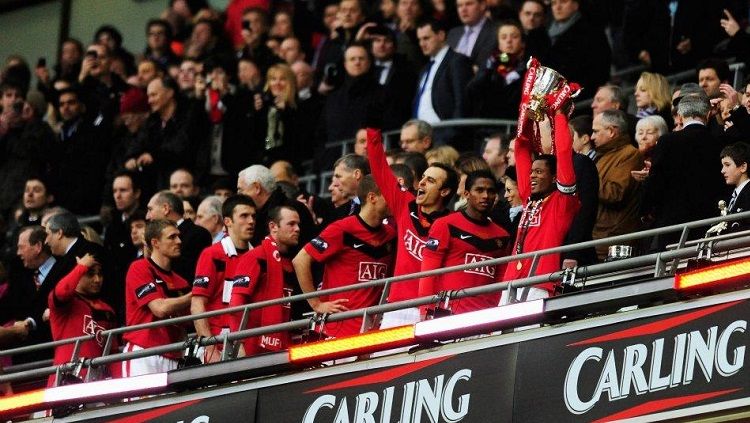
(194, 239)
(308, 228)
(449, 86)
(587, 184)
(484, 46)
(399, 91)
(491, 96)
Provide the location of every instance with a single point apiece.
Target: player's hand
(212, 354)
(334, 306)
(87, 260)
(45, 315)
(21, 328)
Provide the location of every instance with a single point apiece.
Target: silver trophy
(546, 81)
(721, 226)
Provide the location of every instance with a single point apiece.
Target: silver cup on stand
(546, 81)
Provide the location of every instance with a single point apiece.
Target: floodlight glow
(477, 322)
(376, 340)
(723, 273)
(92, 390)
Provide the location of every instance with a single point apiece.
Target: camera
(92, 54)
(330, 74)
(18, 107)
(267, 98)
(246, 25)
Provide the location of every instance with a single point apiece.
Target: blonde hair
(657, 86)
(283, 70)
(444, 154)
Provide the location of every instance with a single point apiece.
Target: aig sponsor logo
(436, 398)
(643, 368)
(414, 245)
(488, 271)
(369, 271)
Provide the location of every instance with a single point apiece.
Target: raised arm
(380, 170)
(523, 167)
(566, 176)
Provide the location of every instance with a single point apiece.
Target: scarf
(558, 28)
(275, 133)
(274, 314)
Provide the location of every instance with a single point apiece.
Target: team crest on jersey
(369, 271)
(146, 289)
(90, 327)
(319, 244)
(241, 282)
(201, 281)
(488, 271)
(414, 245)
(432, 244)
(534, 218)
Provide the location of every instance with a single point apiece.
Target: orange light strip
(22, 400)
(353, 345)
(722, 273)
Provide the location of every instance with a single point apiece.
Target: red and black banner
(631, 369)
(473, 387)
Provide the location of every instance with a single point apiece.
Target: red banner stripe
(663, 404)
(151, 414)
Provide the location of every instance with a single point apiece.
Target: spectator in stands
(111, 37)
(547, 187)
(126, 192)
(309, 106)
(513, 197)
(80, 157)
(414, 215)
(350, 17)
(409, 13)
(734, 163)
(26, 146)
(532, 15)
(466, 237)
(291, 50)
(611, 97)
(76, 309)
(359, 100)
(495, 91)
(581, 129)
(15, 299)
(175, 135)
(254, 34)
(182, 184)
(355, 249)
(158, 41)
(69, 66)
(393, 73)
(137, 226)
(133, 113)
(36, 199)
(618, 194)
(648, 131)
(441, 91)
(153, 292)
(495, 154)
(267, 273)
(148, 70)
(579, 48)
(217, 268)
(209, 217)
(101, 88)
(476, 38)
(277, 116)
(678, 166)
(443, 154)
(166, 205)
(186, 77)
(711, 74)
(257, 183)
(416, 136)
(652, 97)
(348, 172)
(207, 42)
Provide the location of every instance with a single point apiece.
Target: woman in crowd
(652, 97)
(277, 109)
(647, 133)
(513, 197)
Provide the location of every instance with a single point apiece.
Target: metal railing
(658, 260)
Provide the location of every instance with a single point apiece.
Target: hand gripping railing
(588, 271)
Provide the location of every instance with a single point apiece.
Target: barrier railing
(658, 260)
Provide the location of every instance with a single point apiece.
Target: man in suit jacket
(476, 38)
(681, 185)
(734, 163)
(166, 205)
(441, 87)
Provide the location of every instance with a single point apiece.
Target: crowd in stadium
(190, 152)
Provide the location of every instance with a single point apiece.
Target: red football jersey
(353, 252)
(458, 239)
(214, 274)
(252, 285)
(72, 315)
(545, 222)
(412, 225)
(146, 282)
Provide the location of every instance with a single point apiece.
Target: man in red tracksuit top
(414, 215)
(358, 248)
(215, 271)
(266, 273)
(154, 292)
(75, 309)
(467, 237)
(548, 189)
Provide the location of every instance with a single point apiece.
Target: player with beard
(266, 273)
(466, 237)
(414, 215)
(548, 189)
(215, 270)
(355, 249)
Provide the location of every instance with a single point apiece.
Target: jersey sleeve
(433, 255)
(142, 284)
(327, 244)
(205, 282)
(523, 167)
(65, 289)
(381, 172)
(566, 176)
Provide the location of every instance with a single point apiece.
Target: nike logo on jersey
(464, 236)
(414, 215)
(357, 245)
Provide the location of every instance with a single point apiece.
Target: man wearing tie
(734, 162)
(441, 90)
(477, 37)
